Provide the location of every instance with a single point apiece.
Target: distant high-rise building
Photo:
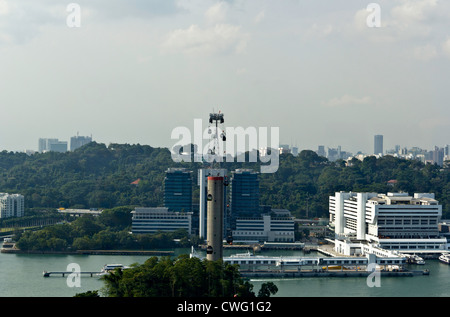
(294, 150)
(284, 149)
(178, 190)
(438, 156)
(54, 145)
(11, 205)
(244, 199)
(378, 145)
(78, 141)
(321, 151)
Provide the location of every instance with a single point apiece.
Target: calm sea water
(21, 276)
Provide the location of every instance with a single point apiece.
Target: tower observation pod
(215, 203)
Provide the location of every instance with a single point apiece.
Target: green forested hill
(100, 176)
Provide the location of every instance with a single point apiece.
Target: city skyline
(134, 71)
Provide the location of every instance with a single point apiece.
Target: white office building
(154, 219)
(392, 221)
(276, 228)
(11, 205)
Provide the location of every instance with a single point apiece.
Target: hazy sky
(137, 69)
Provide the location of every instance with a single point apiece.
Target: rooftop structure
(80, 212)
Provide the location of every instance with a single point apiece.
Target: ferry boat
(415, 259)
(111, 267)
(418, 260)
(445, 258)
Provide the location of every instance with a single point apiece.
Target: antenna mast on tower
(216, 121)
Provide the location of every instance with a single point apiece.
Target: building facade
(52, 145)
(11, 205)
(244, 198)
(78, 141)
(154, 219)
(275, 227)
(392, 221)
(178, 190)
(378, 145)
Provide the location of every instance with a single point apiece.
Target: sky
(135, 70)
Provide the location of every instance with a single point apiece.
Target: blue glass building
(178, 190)
(244, 198)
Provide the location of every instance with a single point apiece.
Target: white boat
(414, 259)
(445, 258)
(111, 267)
(418, 260)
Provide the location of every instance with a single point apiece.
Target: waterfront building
(392, 221)
(178, 190)
(278, 226)
(154, 219)
(378, 145)
(244, 198)
(78, 141)
(11, 205)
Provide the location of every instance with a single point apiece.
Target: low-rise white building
(11, 205)
(392, 221)
(276, 228)
(154, 219)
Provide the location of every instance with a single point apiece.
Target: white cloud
(347, 100)
(413, 11)
(426, 52)
(319, 30)
(221, 38)
(217, 13)
(259, 17)
(218, 37)
(4, 7)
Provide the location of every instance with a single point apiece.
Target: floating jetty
(63, 274)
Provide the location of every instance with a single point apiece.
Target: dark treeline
(100, 176)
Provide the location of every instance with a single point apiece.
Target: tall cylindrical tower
(214, 236)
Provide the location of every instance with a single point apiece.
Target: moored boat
(108, 268)
(445, 258)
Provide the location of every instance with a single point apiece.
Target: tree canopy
(181, 277)
(100, 176)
